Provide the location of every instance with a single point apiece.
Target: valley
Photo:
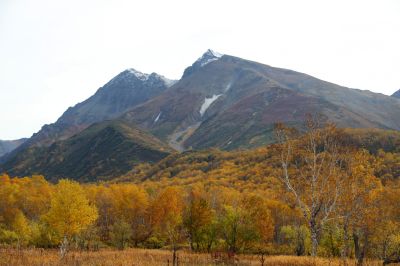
(236, 163)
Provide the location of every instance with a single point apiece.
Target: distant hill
(7, 146)
(101, 151)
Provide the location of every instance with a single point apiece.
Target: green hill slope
(102, 151)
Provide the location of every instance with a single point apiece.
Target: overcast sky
(54, 54)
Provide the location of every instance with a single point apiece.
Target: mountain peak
(138, 74)
(208, 57)
(153, 77)
(210, 52)
(396, 94)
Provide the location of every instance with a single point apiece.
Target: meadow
(151, 257)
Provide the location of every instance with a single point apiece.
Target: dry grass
(146, 257)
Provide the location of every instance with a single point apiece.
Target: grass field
(146, 257)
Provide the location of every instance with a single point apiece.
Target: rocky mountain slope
(102, 151)
(396, 94)
(228, 102)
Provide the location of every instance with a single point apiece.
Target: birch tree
(312, 171)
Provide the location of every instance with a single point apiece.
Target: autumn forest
(320, 191)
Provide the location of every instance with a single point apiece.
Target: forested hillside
(100, 152)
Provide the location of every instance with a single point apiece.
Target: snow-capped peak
(138, 74)
(214, 53)
(150, 77)
(205, 59)
(208, 57)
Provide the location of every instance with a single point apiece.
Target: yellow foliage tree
(129, 203)
(70, 211)
(167, 216)
(34, 196)
(21, 227)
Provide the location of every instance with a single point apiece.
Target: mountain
(101, 151)
(228, 102)
(126, 90)
(7, 146)
(221, 101)
(123, 92)
(396, 94)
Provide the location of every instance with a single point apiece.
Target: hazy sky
(56, 53)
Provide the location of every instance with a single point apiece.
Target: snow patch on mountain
(157, 118)
(151, 77)
(138, 74)
(207, 103)
(214, 53)
(208, 61)
(228, 87)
